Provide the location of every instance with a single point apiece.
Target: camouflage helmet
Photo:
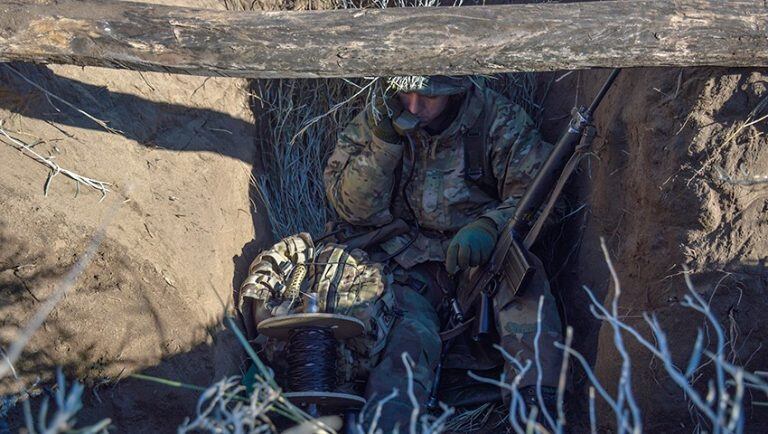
(430, 85)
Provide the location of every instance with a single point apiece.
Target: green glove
(379, 118)
(472, 245)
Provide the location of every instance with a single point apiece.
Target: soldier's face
(426, 108)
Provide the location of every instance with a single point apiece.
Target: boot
(548, 397)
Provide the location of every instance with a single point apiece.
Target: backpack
(342, 277)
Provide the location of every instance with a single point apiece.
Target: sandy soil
(155, 292)
(184, 230)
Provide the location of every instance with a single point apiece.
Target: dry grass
(720, 410)
(297, 122)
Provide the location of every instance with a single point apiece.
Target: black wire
(311, 360)
(328, 234)
(411, 150)
(403, 191)
(330, 297)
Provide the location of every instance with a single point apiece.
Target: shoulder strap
(478, 168)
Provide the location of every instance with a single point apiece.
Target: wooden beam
(352, 43)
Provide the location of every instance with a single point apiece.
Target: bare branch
(54, 168)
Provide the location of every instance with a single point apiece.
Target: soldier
(456, 178)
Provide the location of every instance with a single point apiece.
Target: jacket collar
(471, 107)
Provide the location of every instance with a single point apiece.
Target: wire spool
(311, 360)
(311, 355)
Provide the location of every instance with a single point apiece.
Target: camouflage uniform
(361, 184)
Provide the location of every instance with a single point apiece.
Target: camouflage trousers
(416, 332)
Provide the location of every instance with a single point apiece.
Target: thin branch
(563, 378)
(54, 168)
(408, 362)
(747, 180)
(625, 381)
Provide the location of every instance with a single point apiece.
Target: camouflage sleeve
(359, 175)
(517, 154)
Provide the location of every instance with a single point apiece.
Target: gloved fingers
(485, 255)
(451, 256)
(475, 256)
(465, 253)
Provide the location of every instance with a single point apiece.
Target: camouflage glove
(472, 245)
(379, 118)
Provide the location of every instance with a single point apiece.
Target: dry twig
(755, 116)
(55, 169)
(746, 179)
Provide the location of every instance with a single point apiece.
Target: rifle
(509, 259)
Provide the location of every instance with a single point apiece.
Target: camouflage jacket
(360, 176)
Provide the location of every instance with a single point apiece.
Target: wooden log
(351, 43)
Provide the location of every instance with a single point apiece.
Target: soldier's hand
(379, 117)
(472, 245)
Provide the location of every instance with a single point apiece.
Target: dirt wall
(652, 188)
(153, 297)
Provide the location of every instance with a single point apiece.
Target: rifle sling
(476, 157)
(570, 166)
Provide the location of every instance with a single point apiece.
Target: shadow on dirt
(123, 314)
(19, 270)
(138, 405)
(151, 124)
(74, 336)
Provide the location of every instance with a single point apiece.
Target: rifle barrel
(549, 173)
(603, 90)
